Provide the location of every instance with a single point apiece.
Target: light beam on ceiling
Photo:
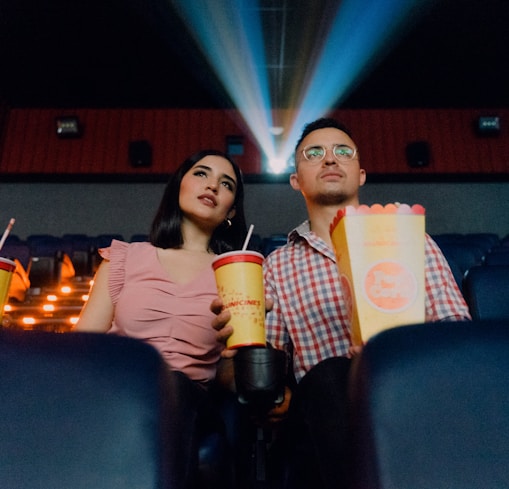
(285, 66)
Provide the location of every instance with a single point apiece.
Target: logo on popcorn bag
(390, 286)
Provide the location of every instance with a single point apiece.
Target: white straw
(248, 237)
(7, 231)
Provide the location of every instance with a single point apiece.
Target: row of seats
(428, 410)
(80, 248)
(464, 251)
(487, 298)
(467, 250)
(48, 259)
(461, 250)
(76, 246)
(43, 255)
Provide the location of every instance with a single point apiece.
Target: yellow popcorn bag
(380, 258)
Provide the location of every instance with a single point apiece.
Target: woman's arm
(97, 314)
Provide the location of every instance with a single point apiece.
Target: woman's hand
(222, 317)
(219, 324)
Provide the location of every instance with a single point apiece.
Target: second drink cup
(239, 278)
(7, 268)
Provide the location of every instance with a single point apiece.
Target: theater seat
(497, 257)
(486, 291)
(85, 411)
(463, 254)
(429, 408)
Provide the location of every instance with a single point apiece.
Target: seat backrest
(104, 240)
(273, 242)
(139, 237)
(19, 250)
(82, 410)
(498, 257)
(486, 291)
(429, 407)
(465, 255)
(485, 241)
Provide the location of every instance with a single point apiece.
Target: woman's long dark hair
(166, 229)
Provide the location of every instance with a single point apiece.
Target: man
(309, 317)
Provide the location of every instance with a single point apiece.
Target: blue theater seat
(139, 237)
(273, 242)
(497, 256)
(84, 410)
(19, 250)
(486, 290)
(463, 254)
(429, 408)
(82, 253)
(104, 240)
(485, 241)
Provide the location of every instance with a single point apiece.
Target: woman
(160, 292)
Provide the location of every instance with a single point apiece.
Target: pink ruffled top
(174, 318)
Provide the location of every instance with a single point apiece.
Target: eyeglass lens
(340, 151)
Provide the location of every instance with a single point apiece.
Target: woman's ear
(231, 213)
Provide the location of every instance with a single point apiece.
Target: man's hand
(279, 413)
(354, 350)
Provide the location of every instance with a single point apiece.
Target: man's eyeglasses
(342, 152)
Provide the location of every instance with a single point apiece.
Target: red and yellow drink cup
(239, 278)
(7, 268)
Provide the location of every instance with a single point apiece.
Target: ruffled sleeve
(116, 255)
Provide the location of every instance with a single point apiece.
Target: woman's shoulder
(122, 249)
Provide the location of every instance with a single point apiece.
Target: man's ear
(362, 177)
(294, 181)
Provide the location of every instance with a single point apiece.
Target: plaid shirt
(309, 315)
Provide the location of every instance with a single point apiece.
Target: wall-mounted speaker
(418, 154)
(234, 145)
(140, 153)
(487, 126)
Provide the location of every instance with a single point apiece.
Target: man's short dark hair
(322, 123)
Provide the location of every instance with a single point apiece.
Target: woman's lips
(209, 200)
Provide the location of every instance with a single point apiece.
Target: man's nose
(329, 158)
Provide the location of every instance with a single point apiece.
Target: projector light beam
(337, 51)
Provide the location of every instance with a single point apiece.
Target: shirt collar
(303, 232)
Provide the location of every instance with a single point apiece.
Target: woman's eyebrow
(203, 167)
(227, 177)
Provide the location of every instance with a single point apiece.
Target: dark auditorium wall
(128, 208)
(43, 180)
(30, 145)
